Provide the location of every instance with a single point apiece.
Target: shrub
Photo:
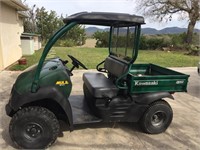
(151, 42)
(154, 42)
(65, 43)
(178, 39)
(102, 38)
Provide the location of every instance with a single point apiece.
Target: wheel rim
(33, 131)
(158, 118)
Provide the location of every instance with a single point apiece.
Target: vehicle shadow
(133, 127)
(104, 136)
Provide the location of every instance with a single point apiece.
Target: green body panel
(53, 74)
(143, 78)
(53, 39)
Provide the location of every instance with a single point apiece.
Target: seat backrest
(115, 67)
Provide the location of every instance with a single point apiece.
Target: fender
(148, 98)
(17, 100)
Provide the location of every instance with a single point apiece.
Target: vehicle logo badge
(62, 83)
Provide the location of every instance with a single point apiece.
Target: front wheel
(34, 128)
(157, 118)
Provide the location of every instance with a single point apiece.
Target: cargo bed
(145, 78)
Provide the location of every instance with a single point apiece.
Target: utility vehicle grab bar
(101, 69)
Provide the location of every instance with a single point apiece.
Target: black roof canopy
(105, 19)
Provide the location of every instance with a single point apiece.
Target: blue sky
(68, 7)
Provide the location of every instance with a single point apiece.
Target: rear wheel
(34, 128)
(157, 118)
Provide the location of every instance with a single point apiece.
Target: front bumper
(9, 110)
(13, 97)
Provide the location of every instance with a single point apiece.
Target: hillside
(171, 30)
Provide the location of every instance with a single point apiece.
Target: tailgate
(143, 78)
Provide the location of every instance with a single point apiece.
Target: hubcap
(158, 118)
(32, 131)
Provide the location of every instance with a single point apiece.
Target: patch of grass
(167, 59)
(92, 56)
(31, 59)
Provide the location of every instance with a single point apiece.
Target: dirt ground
(89, 43)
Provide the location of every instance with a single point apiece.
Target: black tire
(157, 117)
(34, 128)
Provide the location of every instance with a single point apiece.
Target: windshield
(122, 42)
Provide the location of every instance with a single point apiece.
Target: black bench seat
(99, 85)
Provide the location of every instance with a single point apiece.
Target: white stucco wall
(27, 46)
(37, 43)
(11, 27)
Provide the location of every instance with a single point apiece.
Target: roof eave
(18, 5)
(22, 14)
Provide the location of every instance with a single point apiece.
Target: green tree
(160, 9)
(47, 22)
(77, 35)
(29, 23)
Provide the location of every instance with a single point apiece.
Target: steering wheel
(77, 63)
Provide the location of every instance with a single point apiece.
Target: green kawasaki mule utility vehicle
(120, 92)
